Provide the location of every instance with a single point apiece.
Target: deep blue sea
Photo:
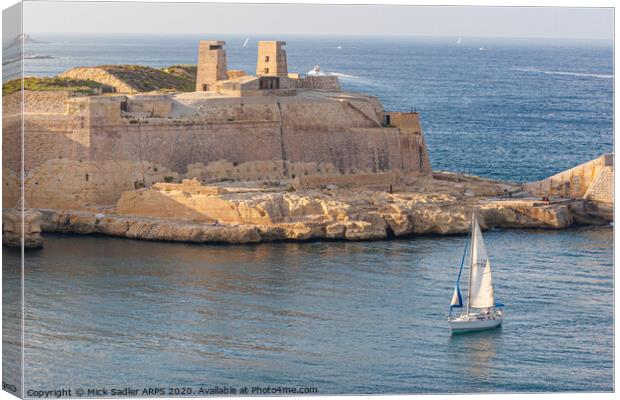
(512, 109)
(350, 317)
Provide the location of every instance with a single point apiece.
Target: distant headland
(22, 38)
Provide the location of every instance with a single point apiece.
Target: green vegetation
(40, 83)
(175, 78)
(148, 79)
(186, 71)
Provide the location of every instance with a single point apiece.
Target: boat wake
(566, 73)
(342, 76)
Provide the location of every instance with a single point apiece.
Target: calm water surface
(342, 317)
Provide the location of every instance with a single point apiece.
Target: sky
(202, 18)
(11, 24)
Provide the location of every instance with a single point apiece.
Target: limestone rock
(14, 228)
(365, 230)
(399, 224)
(518, 216)
(335, 231)
(441, 220)
(192, 212)
(147, 228)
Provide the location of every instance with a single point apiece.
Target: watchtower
(211, 64)
(271, 59)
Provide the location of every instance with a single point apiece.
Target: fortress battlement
(272, 76)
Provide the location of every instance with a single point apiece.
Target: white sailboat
(246, 42)
(481, 312)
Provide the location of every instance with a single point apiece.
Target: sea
(355, 317)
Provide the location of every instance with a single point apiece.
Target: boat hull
(474, 325)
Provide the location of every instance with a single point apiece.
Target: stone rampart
(150, 106)
(36, 102)
(321, 82)
(350, 151)
(602, 188)
(101, 146)
(574, 182)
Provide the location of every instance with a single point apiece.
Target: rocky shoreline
(235, 212)
(336, 214)
(444, 222)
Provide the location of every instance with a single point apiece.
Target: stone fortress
(250, 158)
(84, 151)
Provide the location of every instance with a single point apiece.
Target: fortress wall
(413, 146)
(155, 106)
(11, 149)
(602, 188)
(176, 146)
(118, 157)
(414, 154)
(45, 138)
(220, 170)
(11, 104)
(325, 82)
(573, 182)
(99, 111)
(328, 115)
(11, 142)
(11, 188)
(407, 122)
(11, 159)
(81, 185)
(350, 151)
(226, 111)
(91, 154)
(45, 102)
(51, 137)
(35, 102)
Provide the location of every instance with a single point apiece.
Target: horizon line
(610, 39)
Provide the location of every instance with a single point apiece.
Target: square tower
(212, 65)
(271, 59)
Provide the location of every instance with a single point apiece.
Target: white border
(521, 3)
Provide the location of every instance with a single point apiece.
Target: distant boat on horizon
(246, 42)
(487, 314)
(459, 41)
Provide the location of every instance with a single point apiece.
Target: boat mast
(471, 262)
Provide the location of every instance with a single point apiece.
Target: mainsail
(481, 284)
